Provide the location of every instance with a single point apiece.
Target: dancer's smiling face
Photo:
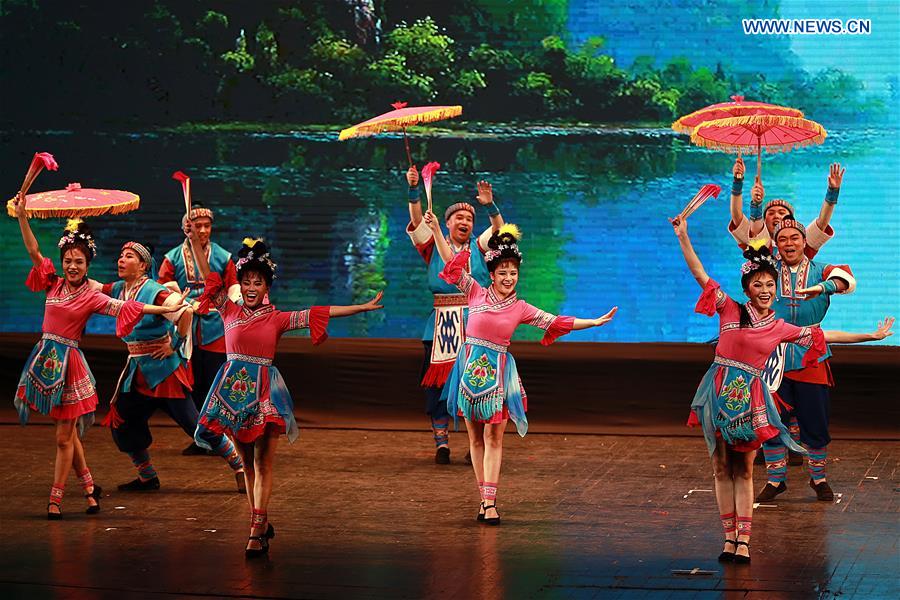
(460, 225)
(791, 245)
(75, 265)
(505, 277)
(130, 266)
(253, 288)
(761, 291)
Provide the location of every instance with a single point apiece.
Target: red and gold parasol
(738, 107)
(399, 119)
(75, 201)
(752, 133)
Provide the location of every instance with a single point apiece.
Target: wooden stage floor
(367, 514)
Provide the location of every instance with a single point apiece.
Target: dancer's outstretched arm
(843, 337)
(598, 322)
(679, 225)
(346, 311)
(31, 243)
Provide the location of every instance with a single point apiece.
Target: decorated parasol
(752, 133)
(400, 118)
(738, 107)
(75, 201)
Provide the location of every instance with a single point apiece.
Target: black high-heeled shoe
(726, 556)
(53, 516)
(480, 516)
(491, 520)
(93, 509)
(740, 559)
(270, 532)
(263, 543)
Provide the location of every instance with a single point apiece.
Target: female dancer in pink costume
(56, 380)
(484, 385)
(732, 404)
(248, 398)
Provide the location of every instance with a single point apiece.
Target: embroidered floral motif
(736, 394)
(51, 365)
(240, 385)
(481, 372)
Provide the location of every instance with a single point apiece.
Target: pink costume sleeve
(712, 300)
(554, 326)
(42, 276)
(455, 273)
(316, 318)
(214, 296)
(126, 312)
(811, 338)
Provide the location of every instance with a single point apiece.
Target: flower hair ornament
(758, 260)
(71, 235)
(511, 247)
(263, 256)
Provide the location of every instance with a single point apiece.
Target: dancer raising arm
(56, 380)
(248, 398)
(732, 403)
(484, 386)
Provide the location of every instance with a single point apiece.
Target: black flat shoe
(491, 520)
(52, 516)
(728, 556)
(140, 486)
(770, 491)
(823, 491)
(264, 545)
(740, 559)
(93, 509)
(442, 456)
(195, 450)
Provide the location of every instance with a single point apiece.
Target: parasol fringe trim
(94, 211)
(680, 127)
(396, 123)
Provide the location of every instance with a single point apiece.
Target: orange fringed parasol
(738, 107)
(75, 201)
(399, 119)
(752, 133)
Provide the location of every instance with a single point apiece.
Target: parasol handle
(408, 155)
(758, 159)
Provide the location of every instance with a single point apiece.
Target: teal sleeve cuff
(831, 196)
(413, 195)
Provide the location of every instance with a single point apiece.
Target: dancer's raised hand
(679, 226)
(432, 222)
(835, 175)
(738, 169)
(757, 193)
(485, 194)
(20, 206)
(412, 176)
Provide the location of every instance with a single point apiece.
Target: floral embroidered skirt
(57, 382)
(245, 398)
(735, 405)
(484, 386)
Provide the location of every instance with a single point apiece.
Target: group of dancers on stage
(204, 330)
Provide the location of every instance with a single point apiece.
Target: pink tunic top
(495, 320)
(752, 345)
